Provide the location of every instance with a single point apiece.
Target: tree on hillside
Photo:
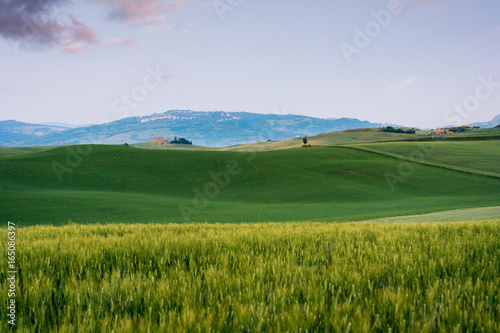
(182, 141)
(391, 129)
(305, 140)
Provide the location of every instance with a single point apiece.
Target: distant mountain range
(16, 133)
(489, 124)
(212, 129)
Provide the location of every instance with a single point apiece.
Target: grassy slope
(120, 184)
(160, 145)
(480, 132)
(364, 135)
(456, 215)
(327, 139)
(481, 156)
(10, 151)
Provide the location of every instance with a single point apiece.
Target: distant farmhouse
(160, 139)
(451, 130)
(440, 130)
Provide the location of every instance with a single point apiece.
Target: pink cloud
(142, 11)
(72, 47)
(129, 42)
(82, 32)
(44, 23)
(77, 36)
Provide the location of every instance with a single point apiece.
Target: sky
(424, 63)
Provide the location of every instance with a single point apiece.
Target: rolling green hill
(366, 135)
(456, 215)
(124, 184)
(475, 156)
(9, 151)
(328, 139)
(355, 136)
(161, 145)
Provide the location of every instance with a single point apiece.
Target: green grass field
(481, 156)
(116, 184)
(278, 277)
(366, 135)
(328, 139)
(161, 145)
(10, 151)
(456, 215)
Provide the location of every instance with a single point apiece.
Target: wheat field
(274, 277)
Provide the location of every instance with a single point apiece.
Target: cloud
(129, 42)
(81, 32)
(72, 47)
(39, 24)
(136, 11)
(188, 28)
(29, 19)
(399, 85)
(163, 27)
